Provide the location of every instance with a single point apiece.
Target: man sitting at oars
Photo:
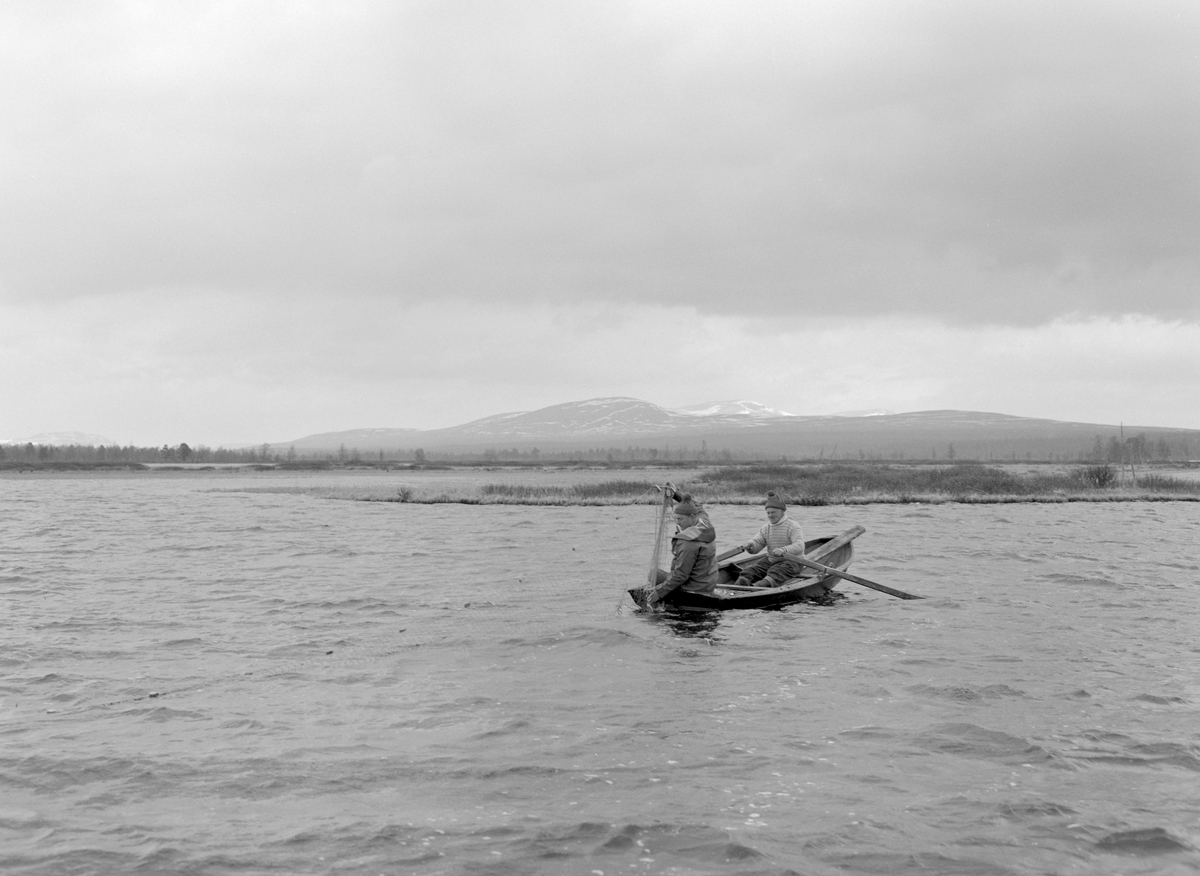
(784, 540)
(693, 554)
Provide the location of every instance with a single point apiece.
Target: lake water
(202, 675)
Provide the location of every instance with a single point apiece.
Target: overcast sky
(252, 221)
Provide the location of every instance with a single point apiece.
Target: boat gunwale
(789, 593)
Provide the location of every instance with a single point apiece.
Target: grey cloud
(978, 161)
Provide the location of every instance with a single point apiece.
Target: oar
(732, 552)
(821, 551)
(829, 570)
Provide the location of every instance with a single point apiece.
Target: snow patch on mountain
(739, 408)
(617, 415)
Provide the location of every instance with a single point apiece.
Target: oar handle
(829, 570)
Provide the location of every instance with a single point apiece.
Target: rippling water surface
(204, 675)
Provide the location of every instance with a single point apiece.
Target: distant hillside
(64, 439)
(623, 427)
(364, 439)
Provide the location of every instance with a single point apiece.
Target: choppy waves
(204, 681)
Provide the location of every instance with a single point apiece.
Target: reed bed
(615, 492)
(813, 484)
(618, 490)
(971, 483)
(843, 484)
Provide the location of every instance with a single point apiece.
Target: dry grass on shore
(832, 484)
(614, 492)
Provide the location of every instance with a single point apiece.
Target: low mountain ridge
(744, 429)
(65, 439)
(596, 416)
(372, 439)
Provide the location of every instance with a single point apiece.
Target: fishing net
(660, 530)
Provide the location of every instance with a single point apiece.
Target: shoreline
(981, 499)
(811, 484)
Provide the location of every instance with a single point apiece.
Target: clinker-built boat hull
(812, 585)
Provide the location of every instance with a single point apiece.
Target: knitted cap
(687, 506)
(773, 501)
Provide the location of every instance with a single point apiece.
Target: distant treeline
(1135, 450)
(128, 455)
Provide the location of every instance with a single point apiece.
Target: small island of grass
(841, 484)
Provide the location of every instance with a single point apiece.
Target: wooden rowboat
(834, 552)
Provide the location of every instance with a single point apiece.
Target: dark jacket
(693, 560)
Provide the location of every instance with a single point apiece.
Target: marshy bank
(818, 484)
(812, 483)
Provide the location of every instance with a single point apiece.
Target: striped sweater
(785, 534)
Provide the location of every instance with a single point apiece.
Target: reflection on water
(203, 680)
(685, 623)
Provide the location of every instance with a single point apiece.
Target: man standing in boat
(784, 540)
(693, 551)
